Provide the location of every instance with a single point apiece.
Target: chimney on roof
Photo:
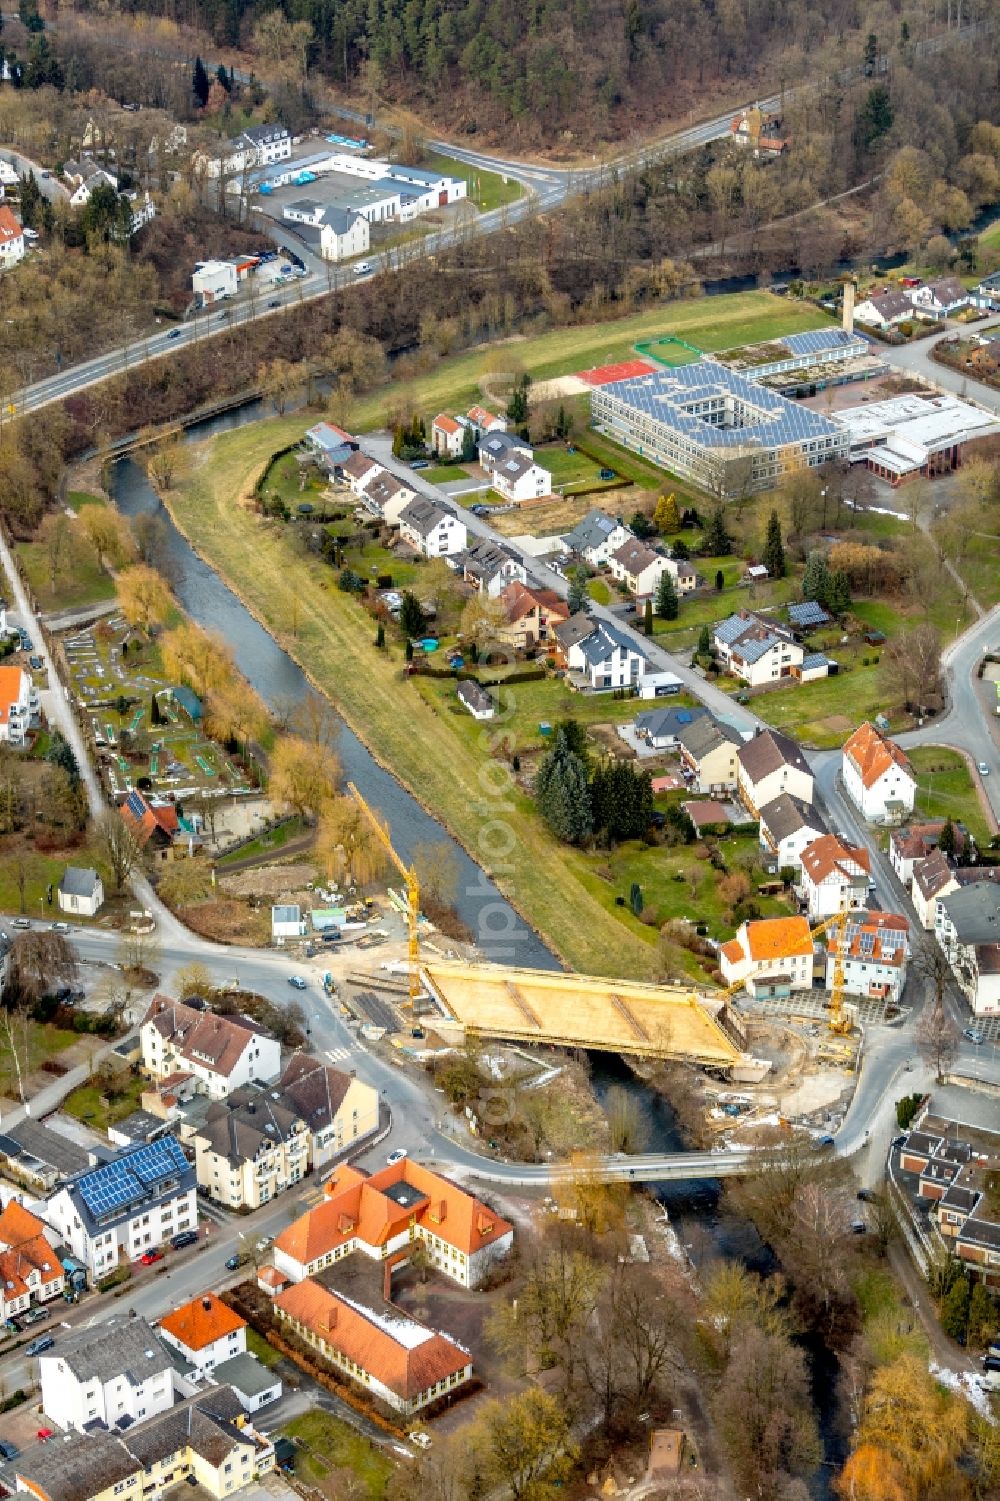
(849, 307)
(206, 1303)
(330, 1321)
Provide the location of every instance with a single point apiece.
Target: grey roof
(485, 558)
(948, 289)
(785, 815)
(931, 873)
(246, 1375)
(635, 556)
(661, 724)
(960, 1197)
(41, 1142)
(499, 444)
(313, 1089)
(118, 1347)
(706, 735)
(981, 1233)
(816, 341)
(751, 635)
(286, 913)
(141, 1125)
(422, 515)
(605, 640)
(974, 912)
(808, 613)
(576, 628)
(340, 220)
(891, 305)
(311, 206)
(816, 659)
(671, 396)
(592, 531)
(139, 1176)
(769, 751)
(261, 135)
(79, 881)
(920, 1144)
(247, 1120)
(76, 1467)
(515, 464)
(474, 695)
(204, 1423)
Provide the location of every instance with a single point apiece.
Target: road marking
(337, 1055)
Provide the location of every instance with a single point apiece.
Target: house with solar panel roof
(125, 1206)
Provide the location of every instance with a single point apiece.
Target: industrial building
(912, 434)
(716, 426)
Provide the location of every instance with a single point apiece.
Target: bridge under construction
(551, 1008)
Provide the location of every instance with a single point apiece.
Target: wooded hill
(544, 69)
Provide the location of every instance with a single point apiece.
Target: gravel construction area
(271, 880)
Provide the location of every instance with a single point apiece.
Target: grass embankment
(325, 1444)
(945, 789)
(331, 636)
(487, 190)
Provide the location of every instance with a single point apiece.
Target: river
(501, 933)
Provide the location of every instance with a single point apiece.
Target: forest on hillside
(570, 70)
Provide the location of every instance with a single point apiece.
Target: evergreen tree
(947, 842)
(517, 406)
(982, 1316)
(563, 424)
(720, 581)
(839, 595)
(380, 635)
(468, 445)
(666, 517)
(705, 642)
(155, 716)
(774, 549)
(562, 793)
(680, 550)
(575, 736)
(60, 753)
(635, 898)
(666, 596)
(955, 1310)
(411, 616)
(200, 84)
(640, 525)
(647, 618)
(408, 650)
(816, 579)
(717, 542)
(577, 596)
(224, 78)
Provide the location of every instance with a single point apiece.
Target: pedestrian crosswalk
(338, 1055)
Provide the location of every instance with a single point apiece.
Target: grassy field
(85, 1102)
(79, 579)
(946, 790)
(331, 636)
(332, 1445)
(39, 871)
(487, 190)
(284, 478)
(567, 468)
(444, 474)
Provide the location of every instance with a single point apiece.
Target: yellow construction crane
(412, 892)
(839, 1023)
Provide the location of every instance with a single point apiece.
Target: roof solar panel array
(130, 1178)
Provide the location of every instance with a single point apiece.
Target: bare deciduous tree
(119, 846)
(40, 962)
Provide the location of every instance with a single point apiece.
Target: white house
(491, 566)
(774, 948)
(18, 700)
(933, 878)
(885, 310)
(639, 568)
(447, 434)
(82, 194)
(602, 654)
(358, 470)
(835, 877)
(123, 1208)
(477, 699)
(213, 281)
(597, 537)
(967, 930)
(431, 529)
(219, 1053)
(757, 650)
(877, 776)
(938, 299)
(336, 233)
(206, 1331)
(907, 847)
(497, 444)
(287, 922)
(257, 146)
(118, 1369)
(11, 239)
(659, 728)
(81, 891)
(874, 951)
(769, 764)
(250, 1379)
(787, 826)
(517, 477)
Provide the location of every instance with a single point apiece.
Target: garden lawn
(85, 1102)
(332, 637)
(599, 591)
(568, 468)
(39, 872)
(977, 564)
(444, 474)
(332, 1444)
(265, 1353)
(945, 789)
(824, 713)
(283, 478)
(43, 1040)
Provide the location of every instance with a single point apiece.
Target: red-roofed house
(11, 239)
(835, 876)
(878, 777)
(771, 949)
(532, 615)
(446, 436)
(485, 421)
(874, 953)
(386, 1352)
(15, 705)
(29, 1267)
(381, 1214)
(206, 1331)
(221, 1052)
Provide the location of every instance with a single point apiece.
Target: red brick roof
(874, 754)
(202, 1321)
(9, 227)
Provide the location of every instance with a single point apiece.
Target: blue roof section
(188, 700)
(769, 420)
(132, 1177)
(819, 340)
(816, 659)
(728, 630)
(807, 613)
(605, 639)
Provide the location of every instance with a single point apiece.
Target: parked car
(866, 1195)
(149, 1257)
(275, 302)
(235, 1262)
(362, 268)
(35, 663)
(396, 1156)
(420, 463)
(185, 1238)
(265, 1243)
(9, 1451)
(824, 1141)
(296, 982)
(40, 1345)
(174, 333)
(420, 1438)
(973, 1036)
(60, 927)
(34, 1316)
(982, 768)
(21, 922)
(991, 1363)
